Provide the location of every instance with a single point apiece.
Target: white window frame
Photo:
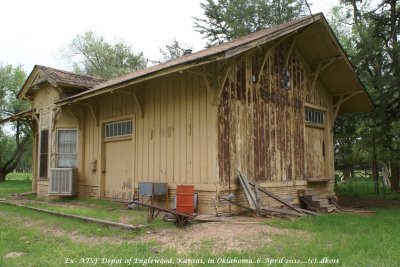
(57, 144)
(118, 136)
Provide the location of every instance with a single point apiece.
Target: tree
(229, 19)
(12, 145)
(91, 55)
(373, 48)
(173, 51)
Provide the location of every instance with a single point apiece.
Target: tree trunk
(3, 175)
(346, 173)
(395, 177)
(386, 175)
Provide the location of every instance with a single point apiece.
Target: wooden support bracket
(320, 68)
(290, 51)
(54, 117)
(91, 111)
(342, 99)
(135, 99)
(268, 53)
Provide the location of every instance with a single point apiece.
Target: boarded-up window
(314, 116)
(66, 148)
(116, 129)
(44, 153)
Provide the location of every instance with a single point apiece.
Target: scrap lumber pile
(252, 193)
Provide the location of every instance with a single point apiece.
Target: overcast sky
(34, 32)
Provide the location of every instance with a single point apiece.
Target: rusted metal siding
(261, 124)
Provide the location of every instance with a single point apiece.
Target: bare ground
(240, 234)
(368, 203)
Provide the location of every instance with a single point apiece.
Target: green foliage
(14, 186)
(92, 55)
(356, 240)
(229, 19)
(368, 31)
(172, 51)
(15, 141)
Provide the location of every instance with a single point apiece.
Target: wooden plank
(282, 211)
(196, 160)
(82, 218)
(177, 129)
(189, 129)
(251, 198)
(170, 134)
(163, 131)
(183, 127)
(156, 160)
(277, 198)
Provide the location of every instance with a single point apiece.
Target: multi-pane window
(66, 148)
(44, 153)
(314, 116)
(120, 128)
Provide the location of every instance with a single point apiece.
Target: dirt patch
(368, 203)
(216, 237)
(13, 255)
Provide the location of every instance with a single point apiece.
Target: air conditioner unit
(63, 181)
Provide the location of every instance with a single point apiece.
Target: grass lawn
(16, 182)
(29, 238)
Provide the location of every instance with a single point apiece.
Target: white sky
(33, 32)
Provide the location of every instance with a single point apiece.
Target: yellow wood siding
(176, 138)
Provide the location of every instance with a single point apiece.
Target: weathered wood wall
(181, 137)
(261, 129)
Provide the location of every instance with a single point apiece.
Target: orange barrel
(185, 199)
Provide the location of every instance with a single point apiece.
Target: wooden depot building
(264, 104)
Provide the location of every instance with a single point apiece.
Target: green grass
(47, 240)
(352, 239)
(355, 240)
(364, 188)
(14, 186)
(99, 212)
(44, 247)
(19, 176)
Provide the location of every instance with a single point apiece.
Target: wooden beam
(135, 99)
(336, 109)
(91, 111)
(342, 99)
(82, 218)
(221, 84)
(346, 97)
(54, 117)
(290, 51)
(322, 65)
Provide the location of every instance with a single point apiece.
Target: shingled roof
(315, 41)
(217, 52)
(62, 77)
(59, 78)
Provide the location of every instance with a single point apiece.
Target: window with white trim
(66, 148)
(118, 129)
(314, 116)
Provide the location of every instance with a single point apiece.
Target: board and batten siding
(176, 139)
(261, 125)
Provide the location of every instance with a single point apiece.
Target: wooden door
(314, 153)
(118, 182)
